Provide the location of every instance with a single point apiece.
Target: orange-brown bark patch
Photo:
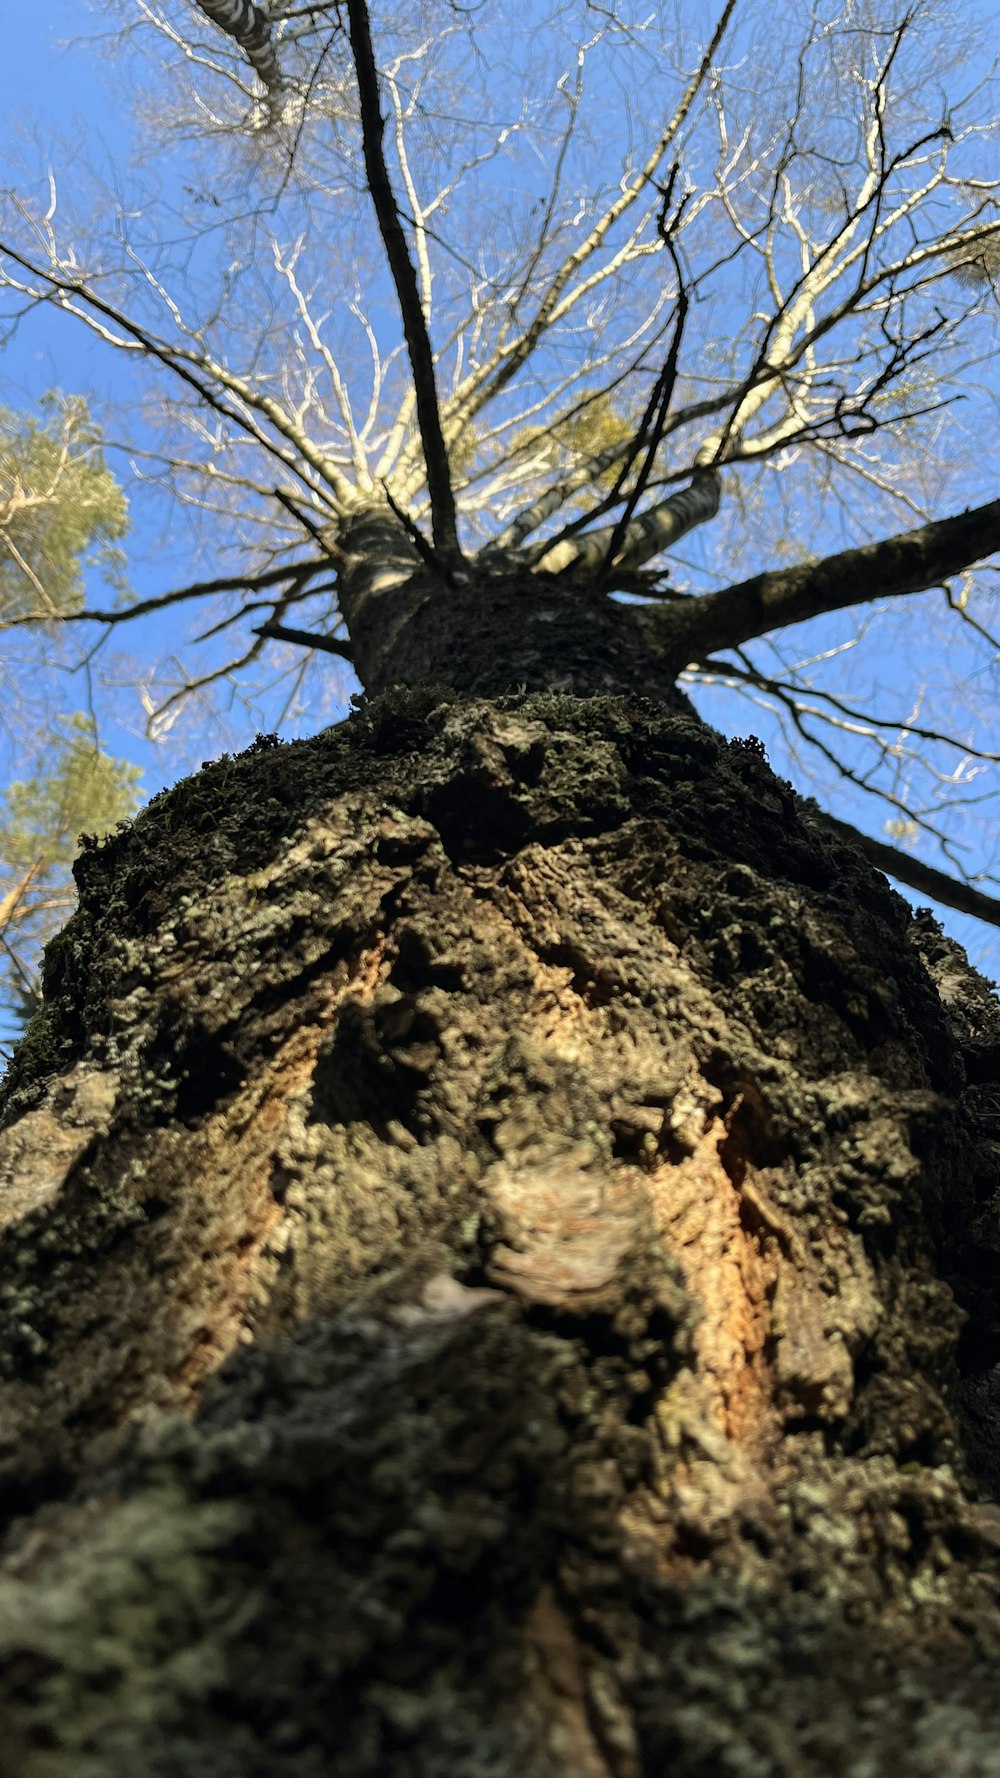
(698, 1211)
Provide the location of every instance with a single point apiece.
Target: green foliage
(61, 510)
(78, 788)
(597, 428)
(596, 425)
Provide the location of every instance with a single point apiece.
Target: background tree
(61, 509)
(500, 1198)
(62, 514)
(76, 788)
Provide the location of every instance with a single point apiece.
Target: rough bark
(499, 1267)
(486, 628)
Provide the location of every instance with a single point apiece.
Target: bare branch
(404, 277)
(644, 538)
(908, 563)
(486, 383)
(195, 368)
(423, 548)
(841, 714)
(201, 589)
(12, 904)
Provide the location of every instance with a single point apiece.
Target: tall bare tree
(501, 1204)
(762, 312)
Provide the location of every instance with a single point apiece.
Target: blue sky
(59, 88)
(56, 86)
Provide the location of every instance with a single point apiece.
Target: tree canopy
(692, 311)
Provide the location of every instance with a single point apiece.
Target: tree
(502, 1199)
(77, 788)
(813, 289)
(61, 509)
(62, 514)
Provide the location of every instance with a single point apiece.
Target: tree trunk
(499, 1257)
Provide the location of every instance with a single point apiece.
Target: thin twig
(290, 504)
(654, 419)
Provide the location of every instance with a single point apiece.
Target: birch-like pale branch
(13, 904)
(531, 517)
(417, 216)
(488, 381)
(47, 606)
(197, 368)
(285, 265)
(743, 398)
(645, 537)
(250, 28)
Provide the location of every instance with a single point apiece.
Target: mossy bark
(498, 1277)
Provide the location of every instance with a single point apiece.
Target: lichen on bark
(496, 1277)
